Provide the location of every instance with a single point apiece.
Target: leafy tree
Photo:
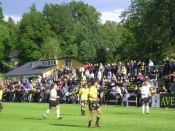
(150, 27)
(50, 48)
(33, 31)
(75, 23)
(1, 13)
(112, 33)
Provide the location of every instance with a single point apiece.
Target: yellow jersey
(93, 92)
(84, 93)
(1, 93)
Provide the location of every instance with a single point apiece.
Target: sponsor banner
(156, 101)
(167, 100)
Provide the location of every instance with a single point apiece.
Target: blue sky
(110, 9)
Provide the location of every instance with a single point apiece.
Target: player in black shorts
(94, 105)
(145, 93)
(53, 102)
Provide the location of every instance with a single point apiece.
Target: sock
(147, 109)
(82, 109)
(90, 120)
(47, 112)
(58, 113)
(98, 119)
(143, 108)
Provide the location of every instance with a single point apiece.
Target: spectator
(125, 96)
(150, 66)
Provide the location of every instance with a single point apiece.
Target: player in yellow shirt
(94, 104)
(1, 94)
(84, 98)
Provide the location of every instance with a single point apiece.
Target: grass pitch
(28, 117)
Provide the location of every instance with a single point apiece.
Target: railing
(156, 67)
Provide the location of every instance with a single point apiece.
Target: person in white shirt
(99, 75)
(118, 94)
(150, 65)
(53, 102)
(145, 93)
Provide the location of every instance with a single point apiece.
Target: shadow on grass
(124, 113)
(33, 118)
(70, 114)
(67, 125)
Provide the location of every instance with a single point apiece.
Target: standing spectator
(125, 96)
(135, 68)
(173, 88)
(131, 66)
(173, 66)
(27, 84)
(143, 68)
(166, 66)
(91, 77)
(128, 68)
(103, 95)
(117, 92)
(1, 95)
(167, 83)
(123, 71)
(99, 75)
(139, 64)
(151, 95)
(137, 93)
(150, 66)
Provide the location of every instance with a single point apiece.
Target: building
(42, 67)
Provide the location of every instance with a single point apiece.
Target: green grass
(28, 117)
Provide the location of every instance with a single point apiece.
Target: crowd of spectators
(115, 81)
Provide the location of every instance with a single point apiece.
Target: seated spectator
(155, 83)
(163, 90)
(153, 74)
(140, 79)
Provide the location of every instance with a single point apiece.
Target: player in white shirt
(53, 102)
(145, 93)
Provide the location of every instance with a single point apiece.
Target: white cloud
(15, 18)
(111, 16)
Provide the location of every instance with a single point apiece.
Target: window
(68, 63)
(48, 63)
(54, 62)
(51, 62)
(43, 63)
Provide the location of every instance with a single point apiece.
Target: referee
(53, 102)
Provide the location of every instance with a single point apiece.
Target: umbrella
(32, 76)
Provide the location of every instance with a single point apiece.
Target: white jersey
(145, 91)
(53, 93)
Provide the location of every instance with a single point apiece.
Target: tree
(1, 13)
(50, 48)
(75, 23)
(112, 33)
(33, 31)
(150, 24)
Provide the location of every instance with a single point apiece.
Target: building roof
(34, 67)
